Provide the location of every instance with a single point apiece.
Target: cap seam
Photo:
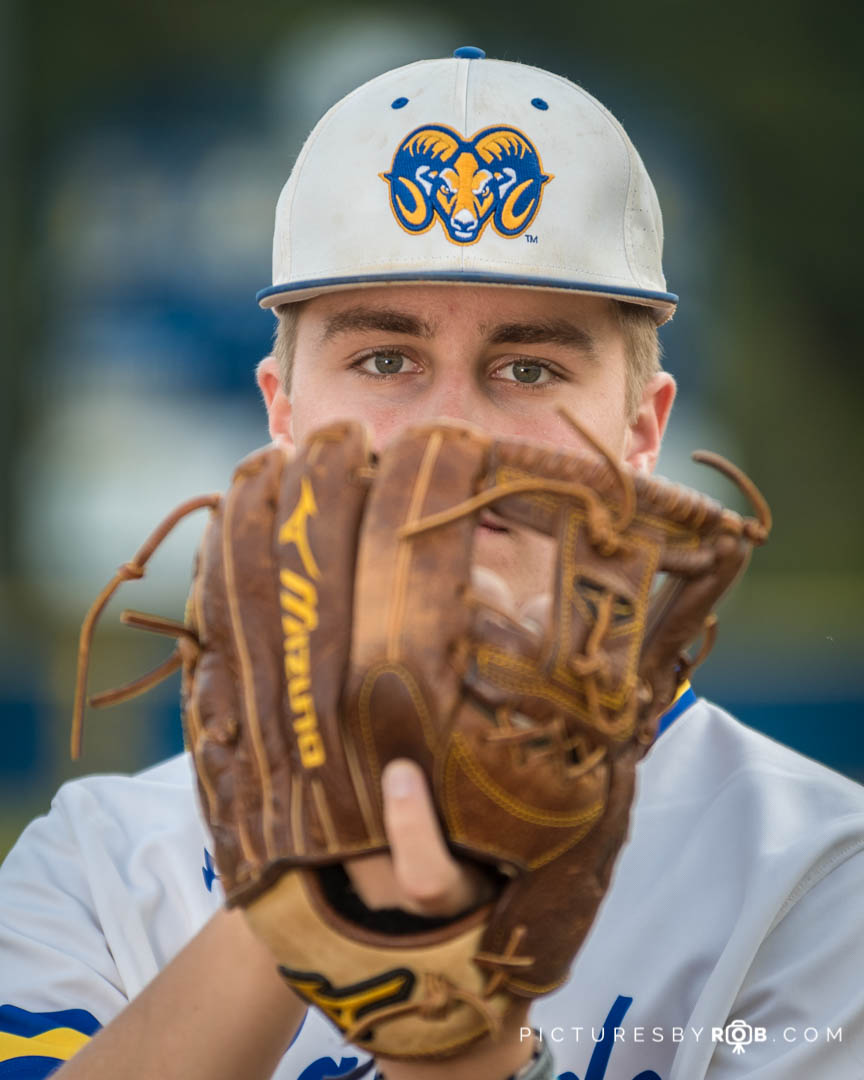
(462, 253)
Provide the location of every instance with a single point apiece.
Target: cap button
(469, 52)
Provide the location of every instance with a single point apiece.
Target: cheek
(601, 417)
(602, 412)
(315, 407)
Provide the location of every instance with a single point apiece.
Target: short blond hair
(642, 351)
(636, 323)
(285, 340)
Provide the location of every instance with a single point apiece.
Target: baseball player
(477, 240)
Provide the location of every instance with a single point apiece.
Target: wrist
(540, 1066)
(506, 1057)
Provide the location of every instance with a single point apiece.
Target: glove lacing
(133, 571)
(440, 993)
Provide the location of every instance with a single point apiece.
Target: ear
(645, 432)
(277, 402)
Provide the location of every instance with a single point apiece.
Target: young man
(476, 240)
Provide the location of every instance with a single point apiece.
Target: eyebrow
(544, 332)
(529, 332)
(386, 320)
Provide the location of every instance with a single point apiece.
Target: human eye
(383, 362)
(530, 373)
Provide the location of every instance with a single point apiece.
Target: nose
(454, 399)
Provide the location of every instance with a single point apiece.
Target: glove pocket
(415, 995)
(517, 790)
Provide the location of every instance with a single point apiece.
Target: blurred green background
(143, 147)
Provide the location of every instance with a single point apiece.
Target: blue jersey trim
(15, 1021)
(19, 1026)
(28, 1068)
(477, 276)
(683, 703)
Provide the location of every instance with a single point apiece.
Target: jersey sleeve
(800, 1009)
(58, 979)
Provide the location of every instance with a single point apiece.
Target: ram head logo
(496, 175)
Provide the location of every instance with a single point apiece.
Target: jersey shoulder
(764, 812)
(117, 875)
(160, 798)
(95, 898)
(709, 751)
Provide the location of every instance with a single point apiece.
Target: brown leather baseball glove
(332, 627)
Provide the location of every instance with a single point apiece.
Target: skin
(219, 1010)
(459, 361)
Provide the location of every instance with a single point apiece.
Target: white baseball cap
(470, 171)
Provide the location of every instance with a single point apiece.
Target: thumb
(431, 880)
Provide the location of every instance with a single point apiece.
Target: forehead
(441, 310)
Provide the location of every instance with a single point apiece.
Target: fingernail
(400, 780)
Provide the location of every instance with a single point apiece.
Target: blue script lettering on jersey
(326, 1066)
(209, 870)
(599, 1062)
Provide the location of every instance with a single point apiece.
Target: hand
(419, 875)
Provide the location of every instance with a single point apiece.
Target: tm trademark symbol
(531, 238)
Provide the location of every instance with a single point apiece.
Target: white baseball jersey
(730, 944)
